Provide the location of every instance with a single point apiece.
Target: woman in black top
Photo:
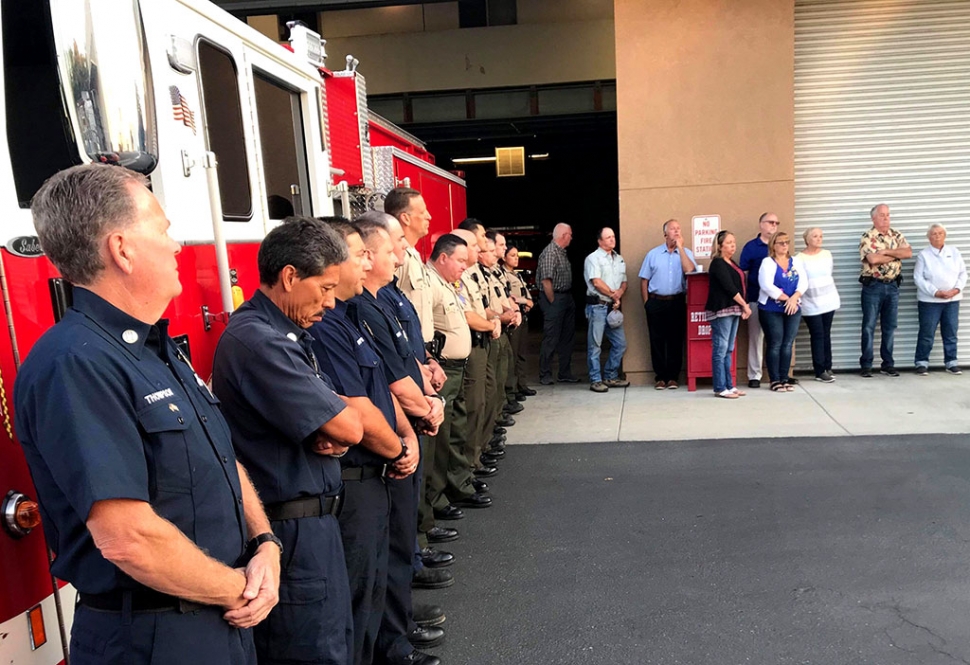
(726, 305)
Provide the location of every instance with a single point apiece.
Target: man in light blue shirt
(663, 285)
(605, 275)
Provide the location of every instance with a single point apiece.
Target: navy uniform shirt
(350, 358)
(398, 303)
(108, 408)
(275, 400)
(377, 320)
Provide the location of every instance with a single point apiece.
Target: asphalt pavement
(834, 550)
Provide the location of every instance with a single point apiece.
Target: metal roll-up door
(882, 115)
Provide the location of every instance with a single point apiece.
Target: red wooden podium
(699, 333)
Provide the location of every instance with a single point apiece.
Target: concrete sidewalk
(569, 413)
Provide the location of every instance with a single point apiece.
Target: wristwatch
(267, 537)
(404, 451)
(441, 397)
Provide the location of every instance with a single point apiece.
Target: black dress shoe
(432, 578)
(505, 421)
(546, 381)
(497, 453)
(528, 392)
(754, 383)
(479, 485)
(427, 615)
(487, 472)
(476, 500)
(425, 638)
(497, 440)
(499, 430)
(442, 534)
(512, 408)
(488, 462)
(448, 513)
(418, 658)
(568, 379)
(432, 558)
(519, 397)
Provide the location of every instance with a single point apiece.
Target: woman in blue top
(779, 311)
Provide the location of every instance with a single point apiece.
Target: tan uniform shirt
(498, 302)
(412, 279)
(519, 289)
(474, 291)
(448, 315)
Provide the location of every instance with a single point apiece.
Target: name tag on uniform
(158, 396)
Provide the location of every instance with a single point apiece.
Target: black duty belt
(453, 363)
(596, 300)
(311, 506)
(481, 339)
(363, 472)
(142, 600)
(657, 296)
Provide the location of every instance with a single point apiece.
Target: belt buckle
(384, 469)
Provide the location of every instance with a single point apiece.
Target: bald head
(562, 235)
(472, 240)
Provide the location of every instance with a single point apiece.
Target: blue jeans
(780, 330)
(594, 341)
(820, 330)
(882, 300)
(933, 314)
(724, 330)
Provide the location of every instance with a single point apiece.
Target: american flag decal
(181, 110)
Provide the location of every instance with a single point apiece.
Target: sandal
(739, 393)
(789, 388)
(727, 394)
(778, 387)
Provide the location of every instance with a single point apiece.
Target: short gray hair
(936, 225)
(74, 211)
(371, 222)
(560, 230)
(872, 211)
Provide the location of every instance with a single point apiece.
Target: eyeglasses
(782, 242)
(771, 221)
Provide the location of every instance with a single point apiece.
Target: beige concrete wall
(705, 126)
(560, 11)
(469, 58)
(421, 48)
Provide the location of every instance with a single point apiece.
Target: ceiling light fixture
(473, 160)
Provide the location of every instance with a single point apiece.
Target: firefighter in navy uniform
(388, 449)
(144, 504)
(402, 369)
(289, 427)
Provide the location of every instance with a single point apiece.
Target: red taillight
(21, 514)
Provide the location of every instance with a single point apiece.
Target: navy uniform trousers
(311, 617)
(168, 636)
(392, 641)
(364, 522)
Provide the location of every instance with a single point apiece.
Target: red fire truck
(235, 133)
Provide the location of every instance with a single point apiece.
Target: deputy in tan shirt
(485, 327)
(408, 207)
(449, 487)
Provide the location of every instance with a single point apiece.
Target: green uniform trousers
(452, 478)
(474, 405)
(511, 380)
(435, 449)
(498, 368)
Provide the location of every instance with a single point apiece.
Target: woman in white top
(940, 277)
(819, 303)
